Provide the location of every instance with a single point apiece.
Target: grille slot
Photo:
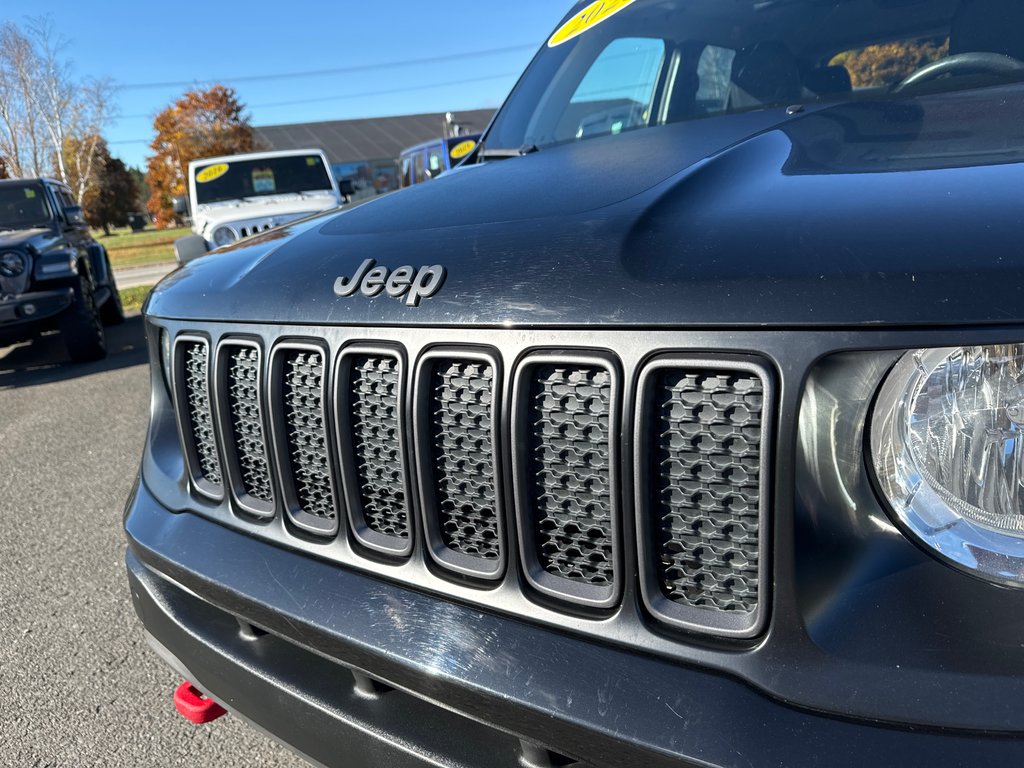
(240, 383)
(196, 416)
(705, 427)
(372, 447)
(457, 452)
(301, 378)
(565, 482)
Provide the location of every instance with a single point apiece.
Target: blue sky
(140, 43)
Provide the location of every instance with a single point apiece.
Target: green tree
(112, 195)
(199, 124)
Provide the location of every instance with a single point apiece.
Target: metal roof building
(369, 139)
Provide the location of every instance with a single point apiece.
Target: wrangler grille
(321, 438)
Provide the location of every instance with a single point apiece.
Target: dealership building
(366, 151)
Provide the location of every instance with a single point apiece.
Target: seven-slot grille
(247, 440)
(703, 430)
(566, 493)
(458, 460)
(700, 470)
(301, 384)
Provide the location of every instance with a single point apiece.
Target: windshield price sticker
(589, 17)
(459, 151)
(263, 181)
(211, 173)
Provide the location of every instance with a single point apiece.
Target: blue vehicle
(432, 158)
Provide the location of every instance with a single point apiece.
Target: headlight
(224, 235)
(165, 359)
(948, 452)
(12, 264)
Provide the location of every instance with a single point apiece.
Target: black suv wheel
(82, 327)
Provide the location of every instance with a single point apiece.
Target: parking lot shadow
(45, 360)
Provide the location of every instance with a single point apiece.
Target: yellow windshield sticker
(311, 161)
(30, 193)
(212, 172)
(589, 17)
(459, 151)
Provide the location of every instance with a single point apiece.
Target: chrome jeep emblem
(407, 281)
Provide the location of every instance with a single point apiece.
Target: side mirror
(73, 216)
(189, 247)
(180, 204)
(347, 189)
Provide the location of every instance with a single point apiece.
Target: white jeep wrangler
(237, 196)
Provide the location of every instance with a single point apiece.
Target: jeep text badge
(405, 281)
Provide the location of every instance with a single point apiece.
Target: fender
(97, 257)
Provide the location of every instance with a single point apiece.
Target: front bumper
(470, 684)
(30, 308)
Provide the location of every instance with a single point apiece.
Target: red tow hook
(194, 706)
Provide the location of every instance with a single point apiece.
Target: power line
(362, 95)
(336, 71)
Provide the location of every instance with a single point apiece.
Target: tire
(82, 327)
(112, 312)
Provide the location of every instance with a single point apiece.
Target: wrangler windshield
(621, 65)
(232, 179)
(23, 205)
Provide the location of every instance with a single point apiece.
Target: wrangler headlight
(224, 236)
(948, 453)
(12, 264)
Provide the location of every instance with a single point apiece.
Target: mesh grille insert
(306, 431)
(568, 471)
(372, 394)
(706, 486)
(246, 421)
(195, 363)
(462, 393)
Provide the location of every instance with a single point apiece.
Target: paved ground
(80, 686)
(131, 277)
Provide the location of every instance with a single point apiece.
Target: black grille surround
(194, 411)
(702, 428)
(451, 439)
(565, 454)
(240, 407)
(457, 451)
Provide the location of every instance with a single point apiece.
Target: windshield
(22, 206)
(262, 177)
(620, 65)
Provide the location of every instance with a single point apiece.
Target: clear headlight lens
(12, 264)
(224, 235)
(948, 452)
(165, 359)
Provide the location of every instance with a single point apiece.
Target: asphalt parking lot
(80, 685)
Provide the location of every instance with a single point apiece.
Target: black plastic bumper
(479, 682)
(44, 304)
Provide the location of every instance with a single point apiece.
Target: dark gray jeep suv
(52, 273)
(680, 425)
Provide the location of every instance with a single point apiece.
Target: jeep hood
(19, 238)
(211, 216)
(901, 212)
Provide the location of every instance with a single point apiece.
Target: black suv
(680, 425)
(52, 273)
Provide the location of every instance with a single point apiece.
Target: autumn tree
(888, 63)
(199, 124)
(110, 194)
